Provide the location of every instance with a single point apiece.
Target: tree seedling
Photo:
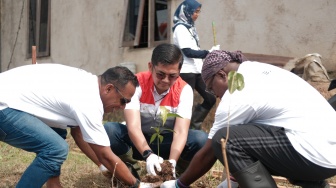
(164, 114)
(235, 82)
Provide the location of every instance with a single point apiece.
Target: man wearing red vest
(161, 85)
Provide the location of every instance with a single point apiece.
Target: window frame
(151, 24)
(39, 53)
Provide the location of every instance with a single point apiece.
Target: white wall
(86, 33)
(274, 27)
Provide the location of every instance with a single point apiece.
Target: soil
(166, 174)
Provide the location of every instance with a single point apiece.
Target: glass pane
(32, 25)
(161, 20)
(144, 27)
(131, 20)
(43, 35)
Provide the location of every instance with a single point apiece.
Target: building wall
(86, 33)
(285, 28)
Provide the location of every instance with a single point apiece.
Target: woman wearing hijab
(186, 38)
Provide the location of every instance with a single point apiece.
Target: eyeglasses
(123, 100)
(209, 89)
(161, 75)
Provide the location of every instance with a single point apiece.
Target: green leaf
(235, 81)
(156, 129)
(173, 115)
(153, 137)
(240, 82)
(164, 129)
(164, 112)
(160, 137)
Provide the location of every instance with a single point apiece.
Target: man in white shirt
(34, 98)
(279, 125)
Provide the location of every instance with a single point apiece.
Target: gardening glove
(151, 161)
(217, 47)
(139, 184)
(224, 184)
(173, 162)
(147, 185)
(105, 171)
(168, 184)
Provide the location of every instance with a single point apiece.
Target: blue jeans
(24, 131)
(121, 143)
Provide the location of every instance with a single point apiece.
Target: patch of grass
(78, 171)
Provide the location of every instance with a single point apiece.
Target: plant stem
(225, 162)
(115, 167)
(223, 142)
(158, 143)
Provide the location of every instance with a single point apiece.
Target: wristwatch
(146, 153)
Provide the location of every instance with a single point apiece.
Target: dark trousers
(269, 145)
(196, 82)
(121, 143)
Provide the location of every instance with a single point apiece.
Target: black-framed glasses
(161, 75)
(123, 100)
(209, 89)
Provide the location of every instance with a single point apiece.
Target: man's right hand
(151, 161)
(168, 184)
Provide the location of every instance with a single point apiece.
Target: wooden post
(33, 54)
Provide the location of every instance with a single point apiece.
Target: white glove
(151, 161)
(147, 185)
(217, 47)
(224, 184)
(168, 184)
(173, 162)
(105, 171)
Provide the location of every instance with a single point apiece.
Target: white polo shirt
(59, 95)
(276, 97)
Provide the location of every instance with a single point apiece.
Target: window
(147, 23)
(39, 27)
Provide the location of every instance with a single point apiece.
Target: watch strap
(147, 153)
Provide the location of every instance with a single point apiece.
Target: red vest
(147, 103)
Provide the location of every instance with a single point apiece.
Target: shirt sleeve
(240, 113)
(183, 38)
(90, 120)
(188, 52)
(186, 102)
(135, 100)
